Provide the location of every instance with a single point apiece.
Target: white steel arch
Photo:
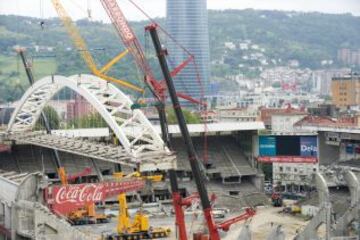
(131, 127)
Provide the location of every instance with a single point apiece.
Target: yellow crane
(139, 228)
(81, 46)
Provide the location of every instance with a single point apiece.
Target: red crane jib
(67, 198)
(131, 42)
(225, 226)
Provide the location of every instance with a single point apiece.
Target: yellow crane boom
(84, 52)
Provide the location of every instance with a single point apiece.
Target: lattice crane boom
(81, 46)
(131, 42)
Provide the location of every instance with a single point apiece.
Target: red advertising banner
(65, 199)
(287, 159)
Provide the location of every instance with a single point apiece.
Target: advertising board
(63, 199)
(267, 146)
(308, 146)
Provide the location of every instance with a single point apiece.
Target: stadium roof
(217, 127)
(194, 129)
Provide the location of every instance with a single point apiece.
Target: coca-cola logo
(79, 194)
(64, 199)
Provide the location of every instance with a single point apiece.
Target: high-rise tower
(187, 22)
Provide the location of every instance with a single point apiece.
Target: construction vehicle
(276, 199)
(81, 46)
(87, 215)
(158, 90)
(140, 227)
(213, 228)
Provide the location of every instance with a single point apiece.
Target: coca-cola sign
(67, 198)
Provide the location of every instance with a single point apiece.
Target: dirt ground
(261, 224)
(266, 219)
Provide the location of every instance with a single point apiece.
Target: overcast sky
(156, 8)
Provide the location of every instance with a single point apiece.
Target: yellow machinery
(139, 228)
(86, 215)
(82, 48)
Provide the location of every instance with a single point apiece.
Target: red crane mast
(131, 42)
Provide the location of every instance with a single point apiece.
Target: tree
(92, 120)
(190, 117)
(52, 117)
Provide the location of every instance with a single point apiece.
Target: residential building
(294, 177)
(283, 122)
(187, 22)
(346, 90)
(236, 115)
(349, 56)
(321, 79)
(78, 108)
(266, 115)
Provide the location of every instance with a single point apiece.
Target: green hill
(306, 37)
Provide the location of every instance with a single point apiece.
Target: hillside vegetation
(307, 37)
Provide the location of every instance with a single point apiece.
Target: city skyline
(157, 8)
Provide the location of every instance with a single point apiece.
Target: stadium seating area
(225, 157)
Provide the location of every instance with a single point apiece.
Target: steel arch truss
(134, 131)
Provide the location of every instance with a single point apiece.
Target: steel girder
(112, 104)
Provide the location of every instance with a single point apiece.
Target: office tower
(187, 22)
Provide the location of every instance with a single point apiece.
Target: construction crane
(139, 228)
(81, 46)
(158, 90)
(131, 42)
(213, 228)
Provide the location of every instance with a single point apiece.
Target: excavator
(140, 227)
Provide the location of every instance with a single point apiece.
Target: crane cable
(198, 79)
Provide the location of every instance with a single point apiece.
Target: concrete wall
(328, 154)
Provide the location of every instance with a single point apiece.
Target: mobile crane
(194, 162)
(158, 89)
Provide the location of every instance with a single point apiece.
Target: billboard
(267, 146)
(287, 146)
(288, 149)
(308, 146)
(349, 148)
(63, 199)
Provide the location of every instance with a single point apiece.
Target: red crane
(225, 226)
(192, 157)
(131, 42)
(158, 89)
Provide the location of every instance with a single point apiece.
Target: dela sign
(308, 146)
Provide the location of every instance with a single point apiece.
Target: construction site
(139, 177)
